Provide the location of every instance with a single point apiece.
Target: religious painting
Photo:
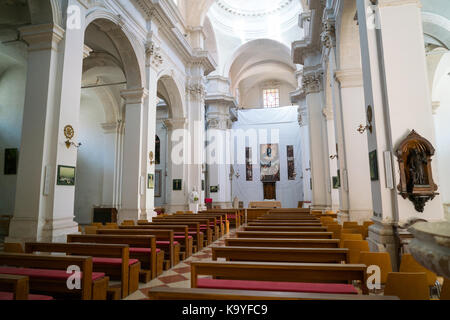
(203, 185)
(214, 189)
(157, 150)
(270, 162)
(336, 183)
(66, 176)
(157, 183)
(177, 185)
(248, 164)
(150, 181)
(11, 159)
(373, 165)
(291, 163)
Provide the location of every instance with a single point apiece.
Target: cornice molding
(42, 37)
(134, 96)
(392, 3)
(349, 78)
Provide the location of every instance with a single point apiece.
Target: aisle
(180, 275)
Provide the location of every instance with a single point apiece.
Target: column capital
(349, 78)
(328, 35)
(312, 82)
(86, 51)
(110, 127)
(392, 3)
(42, 36)
(134, 96)
(177, 123)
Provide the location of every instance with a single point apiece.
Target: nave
(294, 254)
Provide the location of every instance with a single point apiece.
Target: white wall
(253, 97)
(89, 179)
(441, 94)
(12, 95)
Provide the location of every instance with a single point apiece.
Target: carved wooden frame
(418, 194)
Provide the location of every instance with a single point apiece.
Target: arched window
(157, 150)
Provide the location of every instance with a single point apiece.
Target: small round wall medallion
(69, 132)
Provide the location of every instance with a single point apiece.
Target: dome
(252, 19)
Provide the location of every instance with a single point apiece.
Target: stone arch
(173, 94)
(211, 41)
(348, 49)
(127, 45)
(196, 11)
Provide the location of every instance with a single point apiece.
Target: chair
(336, 229)
(350, 236)
(90, 229)
(300, 204)
(380, 259)
(350, 224)
(97, 224)
(407, 285)
(13, 248)
(445, 291)
(408, 264)
(355, 247)
(128, 223)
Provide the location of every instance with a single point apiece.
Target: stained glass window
(271, 98)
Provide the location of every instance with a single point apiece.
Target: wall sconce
(335, 156)
(308, 169)
(69, 133)
(361, 129)
(151, 156)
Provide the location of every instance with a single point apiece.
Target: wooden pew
(277, 223)
(235, 216)
(285, 235)
(293, 211)
(282, 243)
(180, 231)
(274, 254)
(215, 222)
(204, 225)
(249, 295)
(14, 287)
(286, 228)
(194, 229)
(142, 248)
(289, 218)
(164, 241)
(51, 276)
(118, 265)
(309, 273)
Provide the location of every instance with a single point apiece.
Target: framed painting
(336, 183)
(158, 182)
(373, 166)
(270, 162)
(214, 189)
(177, 184)
(66, 176)
(151, 181)
(11, 160)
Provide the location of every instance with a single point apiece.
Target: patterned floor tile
(172, 279)
(183, 270)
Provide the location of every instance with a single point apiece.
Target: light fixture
(69, 133)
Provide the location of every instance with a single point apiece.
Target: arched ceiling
(253, 19)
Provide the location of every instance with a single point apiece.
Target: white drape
(282, 127)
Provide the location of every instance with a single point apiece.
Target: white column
(396, 86)
(196, 111)
(333, 201)
(218, 151)
(133, 181)
(312, 84)
(44, 210)
(306, 160)
(109, 162)
(178, 139)
(355, 172)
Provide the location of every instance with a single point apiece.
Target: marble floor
(180, 275)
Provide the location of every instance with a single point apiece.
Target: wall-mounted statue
(416, 177)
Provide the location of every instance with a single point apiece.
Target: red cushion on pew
(10, 296)
(45, 273)
(112, 261)
(166, 243)
(277, 286)
(143, 250)
(181, 237)
(231, 216)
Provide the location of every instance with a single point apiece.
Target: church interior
(224, 150)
